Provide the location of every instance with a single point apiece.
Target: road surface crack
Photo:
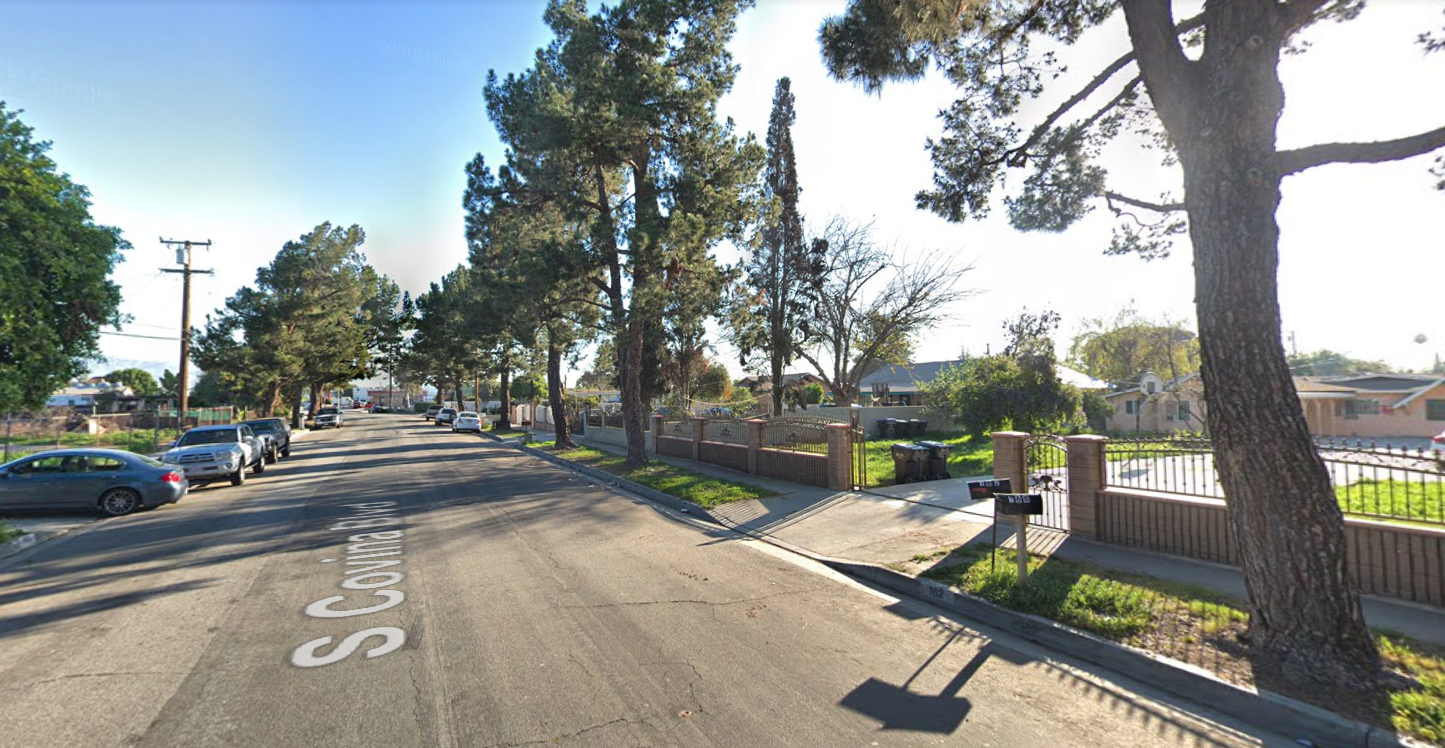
(577, 734)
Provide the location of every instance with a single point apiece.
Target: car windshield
(326, 412)
(266, 426)
(466, 414)
(144, 460)
(216, 436)
(448, 411)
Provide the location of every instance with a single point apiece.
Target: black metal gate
(859, 436)
(1046, 467)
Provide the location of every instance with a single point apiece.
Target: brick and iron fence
(804, 449)
(1164, 496)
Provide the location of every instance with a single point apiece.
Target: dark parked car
(431, 412)
(279, 432)
(109, 481)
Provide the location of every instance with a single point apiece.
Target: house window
(1359, 407)
(1185, 411)
(1131, 407)
(1435, 410)
(1149, 387)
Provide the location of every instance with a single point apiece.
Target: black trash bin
(887, 428)
(909, 462)
(938, 452)
(915, 427)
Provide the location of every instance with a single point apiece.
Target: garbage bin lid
(935, 445)
(910, 447)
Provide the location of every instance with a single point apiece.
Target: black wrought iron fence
(1168, 465)
(725, 430)
(1387, 482)
(1370, 479)
(1046, 462)
(798, 433)
(678, 425)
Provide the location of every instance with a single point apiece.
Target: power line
(133, 335)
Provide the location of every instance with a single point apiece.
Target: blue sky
(247, 123)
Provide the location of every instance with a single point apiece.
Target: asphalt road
(534, 608)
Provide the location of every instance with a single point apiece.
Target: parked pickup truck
(328, 416)
(209, 453)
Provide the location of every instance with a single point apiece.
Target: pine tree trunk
(504, 423)
(1307, 630)
(631, 376)
(562, 430)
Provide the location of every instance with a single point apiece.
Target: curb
(606, 478)
(1295, 719)
(24, 542)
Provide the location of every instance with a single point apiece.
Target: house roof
(1168, 384)
(906, 374)
(1384, 382)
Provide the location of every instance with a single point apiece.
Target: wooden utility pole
(183, 257)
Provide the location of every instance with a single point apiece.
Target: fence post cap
(1086, 438)
(837, 426)
(763, 421)
(1010, 435)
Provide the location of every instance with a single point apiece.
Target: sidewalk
(889, 525)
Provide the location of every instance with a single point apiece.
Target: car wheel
(271, 457)
(238, 477)
(286, 451)
(119, 501)
(261, 465)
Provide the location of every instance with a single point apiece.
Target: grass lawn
(1413, 500)
(140, 441)
(704, 490)
(971, 456)
(1185, 623)
(8, 532)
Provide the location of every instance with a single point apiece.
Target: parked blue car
(108, 481)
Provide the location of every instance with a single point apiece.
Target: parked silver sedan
(109, 481)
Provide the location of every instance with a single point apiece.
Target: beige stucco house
(1368, 406)
(1158, 404)
(1374, 405)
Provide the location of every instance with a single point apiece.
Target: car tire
(239, 477)
(272, 457)
(261, 465)
(118, 502)
(286, 451)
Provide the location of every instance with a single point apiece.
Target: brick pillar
(698, 424)
(656, 419)
(1088, 475)
(840, 456)
(755, 442)
(1009, 459)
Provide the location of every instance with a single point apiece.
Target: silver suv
(208, 453)
(328, 417)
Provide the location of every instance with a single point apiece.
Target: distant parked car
(1437, 442)
(431, 412)
(109, 481)
(210, 453)
(275, 429)
(467, 421)
(445, 416)
(328, 417)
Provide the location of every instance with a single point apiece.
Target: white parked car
(467, 421)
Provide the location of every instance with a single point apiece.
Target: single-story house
(83, 394)
(903, 384)
(1157, 404)
(1374, 405)
(1369, 406)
